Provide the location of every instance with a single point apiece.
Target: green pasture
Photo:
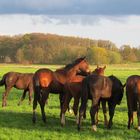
(16, 121)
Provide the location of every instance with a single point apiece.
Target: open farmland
(16, 121)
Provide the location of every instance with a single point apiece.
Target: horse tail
(85, 90)
(84, 99)
(2, 81)
(84, 95)
(135, 97)
(36, 86)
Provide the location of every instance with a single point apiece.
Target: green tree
(114, 57)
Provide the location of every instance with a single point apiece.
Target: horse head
(99, 70)
(82, 65)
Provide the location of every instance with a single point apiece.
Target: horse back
(43, 77)
(24, 81)
(100, 86)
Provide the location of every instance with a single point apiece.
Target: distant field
(16, 121)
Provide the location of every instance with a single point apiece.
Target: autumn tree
(128, 53)
(20, 56)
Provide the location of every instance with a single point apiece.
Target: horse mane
(71, 65)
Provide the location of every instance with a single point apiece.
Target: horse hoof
(78, 128)
(62, 124)
(3, 105)
(109, 127)
(44, 120)
(106, 124)
(77, 121)
(94, 128)
(34, 121)
(138, 128)
(97, 122)
(71, 111)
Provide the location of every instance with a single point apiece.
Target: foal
(115, 99)
(18, 80)
(94, 87)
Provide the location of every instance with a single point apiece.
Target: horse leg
(93, 111)
(61, 99)
(22, 97)
(84, 115)
(97, 119)
(5, 94)
(65, 105)
(130, 113)
(34, 107)
(82, 111)
(104, 112)
(75, 108)
(111, 114)
(30, 95)
(130, 116)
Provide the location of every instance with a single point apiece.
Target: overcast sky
(114, 20)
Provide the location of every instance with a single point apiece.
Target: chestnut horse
(73, 89)
(18, 80)
(94, 87)
(46, 81)
(133, 98)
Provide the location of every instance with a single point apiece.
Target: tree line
(38, 48)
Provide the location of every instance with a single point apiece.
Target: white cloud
(120, 30)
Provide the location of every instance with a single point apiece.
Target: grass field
(16, 121)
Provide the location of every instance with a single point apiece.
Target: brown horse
(73, 89)
(18, 80)
(133, 98)
(46, 81)
(94, 87)
(115, 99)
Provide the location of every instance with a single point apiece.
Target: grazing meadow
(16, 121)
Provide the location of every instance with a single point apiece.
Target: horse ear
(97, 66)
(84, 57)
(104, 67)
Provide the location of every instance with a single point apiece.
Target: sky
(114, 20)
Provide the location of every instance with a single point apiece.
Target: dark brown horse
(73, 89)
(18, 80)
(133, 98)
(115, 99)
(94, 87)
(46, 81)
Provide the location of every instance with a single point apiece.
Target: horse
(133, 98)
(94, 87)
(46, 81)
(73, 89)
(18, 80)
(115, 99)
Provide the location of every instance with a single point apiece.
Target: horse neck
(96, 73)
(72, 72)
(66, 74)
